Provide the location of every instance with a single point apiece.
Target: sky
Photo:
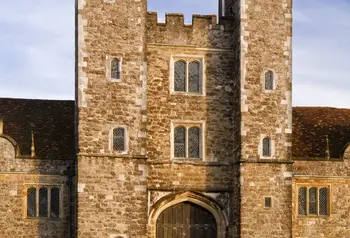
(37, 48)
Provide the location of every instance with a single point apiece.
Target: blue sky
(37, 48)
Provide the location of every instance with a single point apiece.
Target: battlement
(203, 32)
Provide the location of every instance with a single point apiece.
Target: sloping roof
(312, 125)
(51, 121)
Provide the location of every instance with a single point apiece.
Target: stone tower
(111, 104)
(266, 117)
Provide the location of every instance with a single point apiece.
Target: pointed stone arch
(345, 150)
(196, 198)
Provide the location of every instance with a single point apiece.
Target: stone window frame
(318, 187)
(272, 147)
(262, 80)
(188, 58)
(264, 202)
(126, 139)
(49, 188)
(108, 66)
(188, 124)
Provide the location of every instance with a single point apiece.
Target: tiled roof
(53, 125)
(312, 125)
(51, 121)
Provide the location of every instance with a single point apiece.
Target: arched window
(188, 142)
(43, 202)
(115, 69)
(266, 147)
(194, 142)
(194, 77)
(55, 203)
(180, 142)
(119, 139)
(302, 201)
(180, 76)
(31, 202)
(269, 80)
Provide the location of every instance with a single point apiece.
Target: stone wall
(266, 30)
(214, 45)
(112, 197)
(18, 174)
(336, 175)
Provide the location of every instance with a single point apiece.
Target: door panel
(186, 220)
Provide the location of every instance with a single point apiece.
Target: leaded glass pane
(313, 201)
(55, 203)
(180, 76)
(269, 80)
(194, 77)
(43, 202)
(31, 202)
(266, 146)
(302, 201)
(119, 139)
(115, 69)
(194, 142)
(180, 142)
(323, 201)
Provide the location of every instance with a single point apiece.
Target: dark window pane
(180, 76)
(323, 200)
(119, 139)
(194, 78)
(302, 201)
(194, 142)
(31, 202)
(268, 202)
(266, 146)
(269, 80)
(43, 202)
(313, 201)
(55, 203)
(115, 69)
(180, 142)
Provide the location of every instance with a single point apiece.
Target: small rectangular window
(268, 202)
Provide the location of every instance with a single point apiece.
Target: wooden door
(186, 220)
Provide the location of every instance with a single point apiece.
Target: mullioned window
(313, 201)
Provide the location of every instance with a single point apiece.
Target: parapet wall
(203, 32)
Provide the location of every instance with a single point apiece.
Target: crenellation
(203, 32)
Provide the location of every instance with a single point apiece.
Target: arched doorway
(186, 220)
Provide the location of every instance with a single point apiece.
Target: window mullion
(187, 73)
(307, 201)
(49, 202)
(186, 144)
(317, 201)
(37, 200)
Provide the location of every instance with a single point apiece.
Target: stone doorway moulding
(196, 198)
